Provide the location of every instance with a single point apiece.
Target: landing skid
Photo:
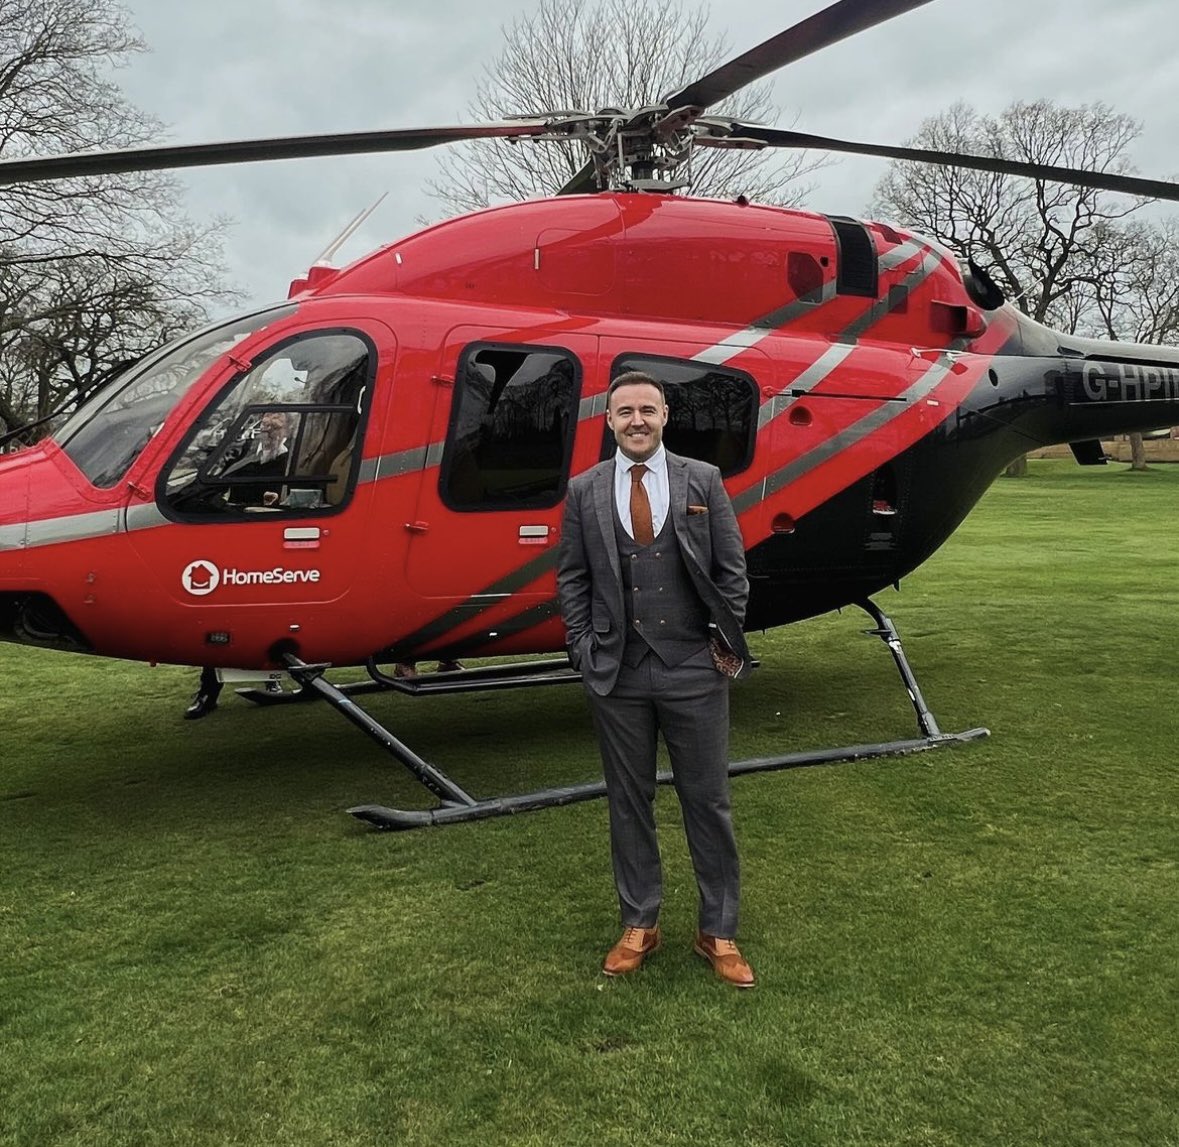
(455, 804)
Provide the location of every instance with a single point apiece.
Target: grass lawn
(979, 946)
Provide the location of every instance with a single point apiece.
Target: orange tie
(640, 507)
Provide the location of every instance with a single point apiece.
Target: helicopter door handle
(417, 527)
(301, 538)
(533, 535)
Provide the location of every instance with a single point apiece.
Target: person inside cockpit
(268, 461)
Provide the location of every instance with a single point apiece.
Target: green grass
(978, 946)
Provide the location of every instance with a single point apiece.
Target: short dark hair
(635, 378)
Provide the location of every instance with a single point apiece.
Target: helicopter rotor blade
(755, 135)
(35, 169)
(834, 23)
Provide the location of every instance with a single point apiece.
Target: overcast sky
(228, 69)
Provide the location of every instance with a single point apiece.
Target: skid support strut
(887, 632)
(310, 677)
(458, 805)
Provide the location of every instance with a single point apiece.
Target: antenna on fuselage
(321, 270)
(348, 231)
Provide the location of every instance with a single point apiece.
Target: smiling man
(652, 586)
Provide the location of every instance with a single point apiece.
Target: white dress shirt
(654, 482)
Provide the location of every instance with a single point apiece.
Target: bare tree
(1048, 245)
(1034, 238)
(104, 267)
(88, 321)
(581, 55)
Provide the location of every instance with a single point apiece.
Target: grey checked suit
(639, 688)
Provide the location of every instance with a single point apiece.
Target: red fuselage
(859, 347)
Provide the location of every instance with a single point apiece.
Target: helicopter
(373, 470)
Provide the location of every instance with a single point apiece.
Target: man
(651, 574)
(267, 462)
(205, 699)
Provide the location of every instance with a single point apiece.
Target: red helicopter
(373, 470)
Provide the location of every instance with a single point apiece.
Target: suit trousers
(689, 705)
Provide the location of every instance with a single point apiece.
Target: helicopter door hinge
(139, 491)
(238, 361)
(442, 380)
(417, 527)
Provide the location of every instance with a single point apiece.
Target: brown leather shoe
(726, 960)
(630, 952)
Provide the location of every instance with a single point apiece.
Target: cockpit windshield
(110, 431)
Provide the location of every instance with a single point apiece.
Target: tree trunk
(1018, 468)
(1137, 452)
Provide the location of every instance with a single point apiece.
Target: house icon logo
(200, 578)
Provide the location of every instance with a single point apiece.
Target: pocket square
(697, 509)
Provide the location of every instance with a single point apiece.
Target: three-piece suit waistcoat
(664, 612)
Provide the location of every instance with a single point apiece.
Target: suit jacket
(589, 573)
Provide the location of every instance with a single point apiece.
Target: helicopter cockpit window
(712, 411)
(109, 432)
(284, 436)
(511, 428)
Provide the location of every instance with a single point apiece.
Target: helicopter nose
(14, 515)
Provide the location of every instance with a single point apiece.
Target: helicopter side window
(283, 436)
(511, 428)
(712, 411)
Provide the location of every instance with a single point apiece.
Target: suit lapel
(677, 488)
(603, 490)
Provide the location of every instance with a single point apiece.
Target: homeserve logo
(202, 577)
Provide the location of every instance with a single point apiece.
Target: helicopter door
(264, 485)
(489, 506)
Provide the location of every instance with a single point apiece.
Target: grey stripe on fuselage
(478, 603)
(12, 537)
(849, 436)
(819, 370)
(903, 253)
(79, 527)
(145, 517)
(402, 462)
(526, 619)
(810, 378)
(733, 345)
(73, 528)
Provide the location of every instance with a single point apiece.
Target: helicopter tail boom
(1060, 388)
